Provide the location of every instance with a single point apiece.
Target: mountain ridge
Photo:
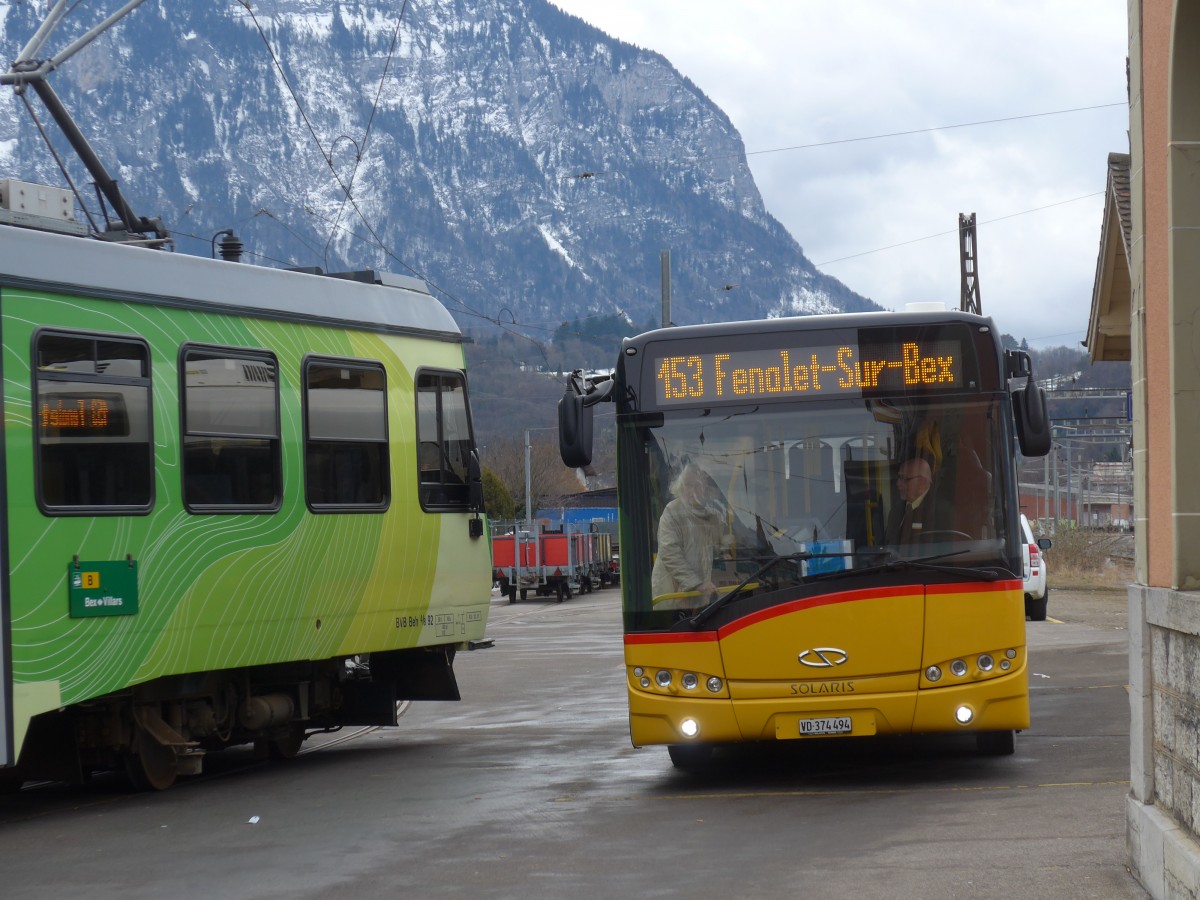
(528, 166)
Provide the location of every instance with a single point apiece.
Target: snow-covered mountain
(530, 167)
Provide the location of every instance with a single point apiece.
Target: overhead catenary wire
(893, 134)
(588, 174)
(938, 234)
(361, 148)
(349, 198)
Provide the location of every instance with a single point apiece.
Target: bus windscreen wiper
(705, 614)
(896, 562)
(892, 563)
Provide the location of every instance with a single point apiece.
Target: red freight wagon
(539, 562)
(557, 563)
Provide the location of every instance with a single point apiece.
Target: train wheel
(149, 765)
(288, 746)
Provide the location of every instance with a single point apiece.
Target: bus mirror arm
(575, 416)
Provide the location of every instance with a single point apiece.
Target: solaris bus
(824, 607)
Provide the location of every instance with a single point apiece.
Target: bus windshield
(835, 487)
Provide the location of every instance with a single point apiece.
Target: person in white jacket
(690, 535)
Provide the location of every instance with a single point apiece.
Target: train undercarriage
(162, 729)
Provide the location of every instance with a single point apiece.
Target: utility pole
(666, 288)
(969, 301)
(528, 498)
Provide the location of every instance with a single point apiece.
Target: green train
(239, 504)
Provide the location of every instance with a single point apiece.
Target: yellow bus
(819, 527)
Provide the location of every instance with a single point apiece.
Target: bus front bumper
(997, 704)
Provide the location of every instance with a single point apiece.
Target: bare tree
(548, 477)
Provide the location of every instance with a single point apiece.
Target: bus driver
(690, 535)
(915, 514)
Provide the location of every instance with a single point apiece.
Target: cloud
(789, 74)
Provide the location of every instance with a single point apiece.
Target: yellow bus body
(876, 649)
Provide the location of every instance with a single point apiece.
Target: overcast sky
(803, 72)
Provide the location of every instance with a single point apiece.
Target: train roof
(45, 261)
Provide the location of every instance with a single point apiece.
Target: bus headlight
(966, 669)
(674, 681)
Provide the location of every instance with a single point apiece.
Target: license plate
(828, 725)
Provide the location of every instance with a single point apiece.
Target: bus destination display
(808, 372)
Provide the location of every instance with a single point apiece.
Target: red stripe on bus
(813, 602)
(974, 587)
(692, 637)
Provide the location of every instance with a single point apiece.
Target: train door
(6, 740)
(7, 751)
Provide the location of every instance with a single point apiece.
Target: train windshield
(772, 498)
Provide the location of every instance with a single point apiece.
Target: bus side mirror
(575, 416)
(1033, 425)
(574, 430)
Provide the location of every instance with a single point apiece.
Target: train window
(231, 444)
(345, 440)
(95, 453)
(443, 440)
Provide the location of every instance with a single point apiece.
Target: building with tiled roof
(1146, 308)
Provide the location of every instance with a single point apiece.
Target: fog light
(663, 677)
(689, 728)
(933, 673)
(986, 662)
(958, 668)
(690, 681)
(1005, 665)
(645, 682)
(714, 684)
(963, 715)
